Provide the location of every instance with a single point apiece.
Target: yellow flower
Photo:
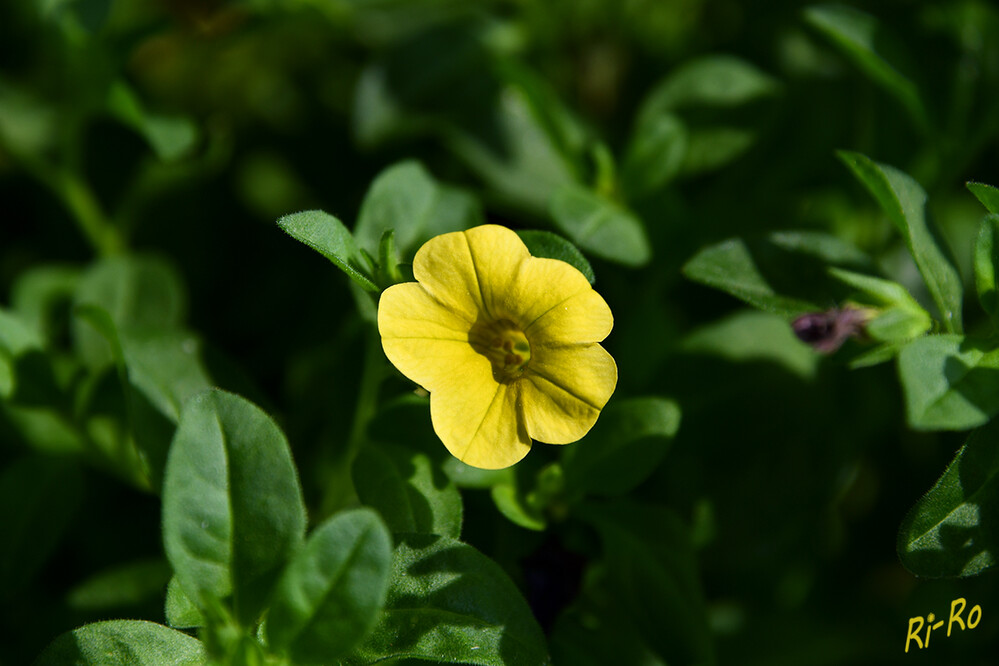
(505, 343)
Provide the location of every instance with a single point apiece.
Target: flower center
(504, 344)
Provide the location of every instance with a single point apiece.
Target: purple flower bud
(827, 331)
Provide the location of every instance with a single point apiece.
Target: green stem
(87, 213)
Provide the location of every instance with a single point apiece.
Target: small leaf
(232, 507)
(988, 195)
(904, 201)
(513, 505)
(180, 611)
(784, 273)
(863, 39)
(950, 382)
(711, 81)
(140, 293)
(169, 137)
(951, 531)
(448, 600)
(407, 199)
(552, 246)
(332, 592)
(655, 154)
(124, 643)
(326, 235)
(600, 227)
(899, 317)
(124, 585)
(409, 492)
(986, 261)
(629, 440)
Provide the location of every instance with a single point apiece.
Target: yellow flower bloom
(506, 344)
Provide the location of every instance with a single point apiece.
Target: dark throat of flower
(504, 344)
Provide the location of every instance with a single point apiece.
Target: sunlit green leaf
(124, 643)
(600, 226)
(986, 261)
(950, 382)
(904, 202)
(446, 598)
(407, 199)
(326, 235)
(180, 611)
(232, 507)
(410, 493)
(333, 591)
(988, 195)
(951, 530)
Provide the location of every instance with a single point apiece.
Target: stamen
(508, 348)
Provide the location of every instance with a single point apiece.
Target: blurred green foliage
(741, 498)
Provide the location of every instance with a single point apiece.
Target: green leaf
(784, 273)
(899, 317)
(986, 261)
(950, 382)
(169, 137)
(333, 591)
(37, 294)
(865, 42)
(180, 611)
(121, 586)
(447, 599)
(655, 154)
(988, 195)
(652, 578)
(952, 530)
(38, 498)
(232, 507)
(326, 235)
(714, 147)
(140, 293)
(552, 246)
(711, 81)
(408, 490)
(600, 227)
(623, 449)
(124, 643)
(406, 198)
(26, 374)
(904, 201)
(514, 506)
(749, 335)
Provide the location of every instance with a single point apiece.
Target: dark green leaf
(904, 201)
(408, 490)
(138, 293)
(862, 39)
(125, 585)
(950, 382)
(600, 226)
(333, 591)
(407, 199)
(652, 578)
(169, 137)
(623, 449)
(514, 506)
(552, 246)
(180, 611)
(38, 292)
(988, 195)
(38, 497)
(326, 235)
(232, 507)
(26, 375)
(711, 148)
(448, 600)
(952, 530)
(784, 273)
(124, 643)
(711, 81)
(749, 335)
(655, 154)
(986, 261)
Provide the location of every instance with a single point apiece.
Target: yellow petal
(477, 419)
(465, 270)
(422, 338)
(564, 390)
(558, 305)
